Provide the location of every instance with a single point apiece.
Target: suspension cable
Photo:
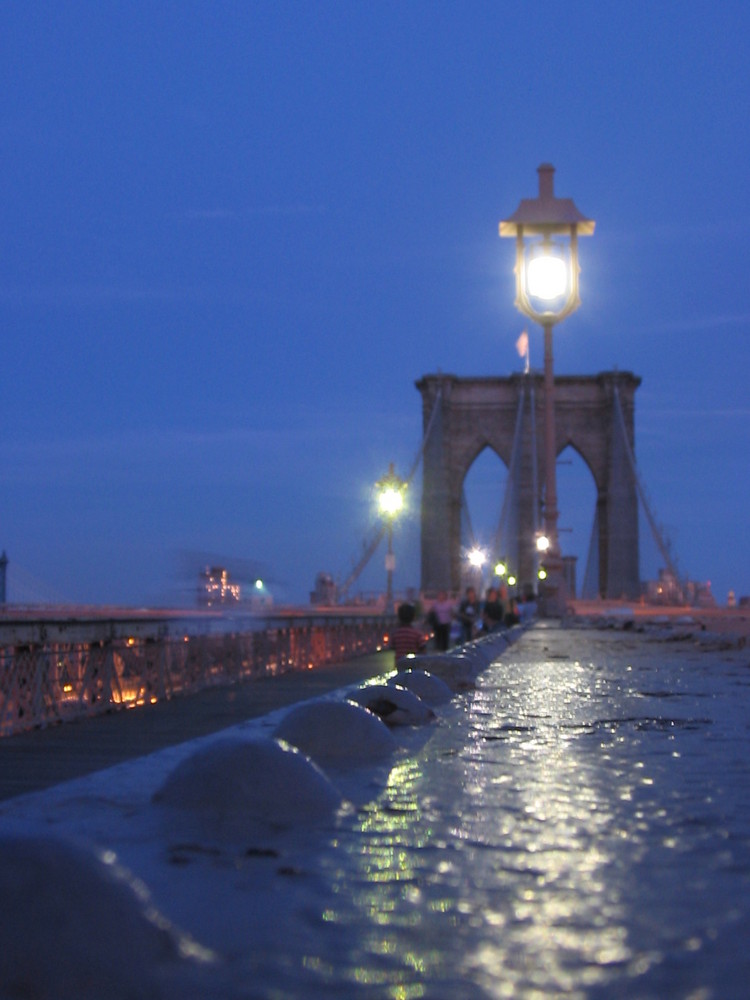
(661, 542)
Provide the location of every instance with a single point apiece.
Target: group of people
(474, 617)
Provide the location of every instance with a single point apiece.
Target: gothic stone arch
(474, 413)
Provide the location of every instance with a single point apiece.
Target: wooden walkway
(44, 757)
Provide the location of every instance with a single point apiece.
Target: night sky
(234, 235)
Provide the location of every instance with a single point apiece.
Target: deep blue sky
(233, 235)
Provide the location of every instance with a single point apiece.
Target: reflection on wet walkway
(578, 825)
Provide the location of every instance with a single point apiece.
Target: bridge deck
(43, 757)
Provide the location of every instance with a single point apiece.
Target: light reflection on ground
(552, 838)
(579, 826)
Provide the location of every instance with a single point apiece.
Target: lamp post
(546, 230)
(390, 501)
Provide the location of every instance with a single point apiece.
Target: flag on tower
(522, 346)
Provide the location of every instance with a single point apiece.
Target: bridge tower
(475, 413)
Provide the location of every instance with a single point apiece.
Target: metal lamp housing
(547, 228)
(529, 254)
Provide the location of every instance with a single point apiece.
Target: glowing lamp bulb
(476, 557)
(546, 277)
(542, 574)
(512, 581)
(391, 501)
(542, 543)
(500, 569)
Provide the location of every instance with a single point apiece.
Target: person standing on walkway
(493, 612)
(442, 616)
(512, 617)
(406, 639)
(468, 613)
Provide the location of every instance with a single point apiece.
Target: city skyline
(234, 238)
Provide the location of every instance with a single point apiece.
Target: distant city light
(217, 588)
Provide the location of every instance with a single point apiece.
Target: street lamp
(546, 229)
(477, 558)
(542, 548)
(390, 501)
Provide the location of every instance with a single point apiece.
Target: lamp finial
(546, 182)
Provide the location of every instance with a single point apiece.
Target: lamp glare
(547, 277)
(477, 558)
(391, 501)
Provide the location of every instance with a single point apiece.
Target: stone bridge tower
(462, 416)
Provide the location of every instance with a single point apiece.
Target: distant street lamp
(477, 558)
(542, 548)
(546, 231)
(390, 491)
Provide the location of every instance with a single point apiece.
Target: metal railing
(56, 670)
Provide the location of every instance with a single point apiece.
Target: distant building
(215, 588)
(325, 590)
(699, 594)
(668, 590)
(261, 598)
(665, 590)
